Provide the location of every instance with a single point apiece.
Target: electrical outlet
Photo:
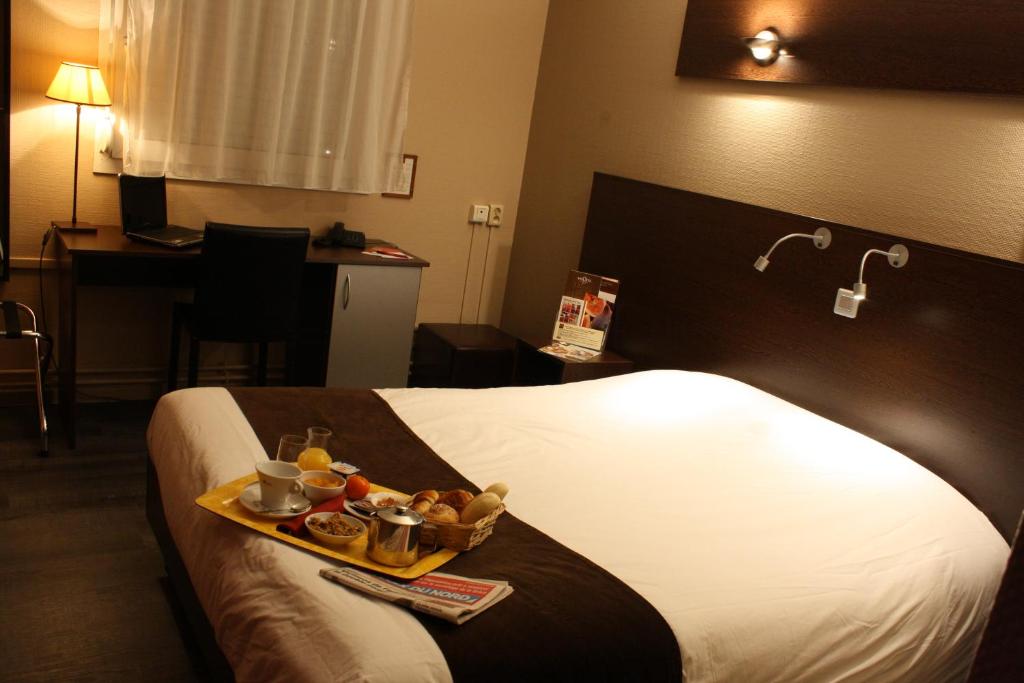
(478, 213)
(497, 213)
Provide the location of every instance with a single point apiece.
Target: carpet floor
(82, 584)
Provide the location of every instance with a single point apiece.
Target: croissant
(422, 501)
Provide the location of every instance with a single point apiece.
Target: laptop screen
(143, 203)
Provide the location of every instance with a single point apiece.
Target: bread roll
(422, 501)
(458, 499)
(440, 512)
(499, 487)
(480, 507)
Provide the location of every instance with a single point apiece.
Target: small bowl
(319, 494)
(331, 539)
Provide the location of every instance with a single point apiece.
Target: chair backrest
(249, 283)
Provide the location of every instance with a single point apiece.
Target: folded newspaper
(453, 598)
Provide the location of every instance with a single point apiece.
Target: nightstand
(535, 368)
(461, 356)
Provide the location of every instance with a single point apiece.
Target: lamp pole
(74, 197)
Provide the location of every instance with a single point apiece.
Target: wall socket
(497, 213)
(478, 213)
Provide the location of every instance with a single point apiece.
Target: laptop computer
(144, 213)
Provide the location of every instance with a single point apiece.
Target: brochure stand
(584, 316)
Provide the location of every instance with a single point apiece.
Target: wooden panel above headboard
(916, 44)
(932, 366)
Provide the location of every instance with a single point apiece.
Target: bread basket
(459, 537)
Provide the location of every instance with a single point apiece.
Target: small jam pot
(343, 468)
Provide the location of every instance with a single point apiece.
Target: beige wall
(943, 168)
(474, 75)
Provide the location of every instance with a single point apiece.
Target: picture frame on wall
(408, 179)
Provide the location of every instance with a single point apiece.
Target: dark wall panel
(963, 45)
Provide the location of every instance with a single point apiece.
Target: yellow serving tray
(223, 501)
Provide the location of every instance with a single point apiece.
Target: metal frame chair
(12, 330)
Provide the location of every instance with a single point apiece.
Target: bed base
(215, 665)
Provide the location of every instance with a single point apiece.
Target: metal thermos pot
(394, 537)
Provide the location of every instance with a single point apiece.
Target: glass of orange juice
(315, 456)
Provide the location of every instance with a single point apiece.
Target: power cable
(465, 282)
(483, 274)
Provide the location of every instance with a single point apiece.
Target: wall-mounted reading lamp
(822, 238)
(765, 47)
(848, 300)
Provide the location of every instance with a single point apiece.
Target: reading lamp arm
(822, 238)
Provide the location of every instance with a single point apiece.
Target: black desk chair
(248, 292)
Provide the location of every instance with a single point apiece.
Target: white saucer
(250, 500)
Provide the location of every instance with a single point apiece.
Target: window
(294, 93)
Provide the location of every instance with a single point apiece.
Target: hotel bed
(818, 498)
(776, 544)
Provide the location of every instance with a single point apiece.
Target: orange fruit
(357, 487)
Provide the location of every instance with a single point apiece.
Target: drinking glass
(318, 437)
(290, 446)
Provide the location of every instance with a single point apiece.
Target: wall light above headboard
(848, 300)
(910, 44)
(766, 47)
(822, 238)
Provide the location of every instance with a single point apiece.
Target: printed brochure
(569, 352)
(450, 597)
(584, 316)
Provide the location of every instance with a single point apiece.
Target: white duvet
(779, 546)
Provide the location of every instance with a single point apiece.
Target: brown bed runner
(568, 619)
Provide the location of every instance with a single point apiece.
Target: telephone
(338, 236)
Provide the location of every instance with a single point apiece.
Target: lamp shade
(79, 84)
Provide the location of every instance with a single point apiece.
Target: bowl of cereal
(334, 528)
(319, 486)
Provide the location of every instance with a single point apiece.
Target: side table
(461, 356)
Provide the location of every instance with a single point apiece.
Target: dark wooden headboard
(932, 366)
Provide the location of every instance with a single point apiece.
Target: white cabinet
(372, 325)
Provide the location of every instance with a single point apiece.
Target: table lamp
(78, 84)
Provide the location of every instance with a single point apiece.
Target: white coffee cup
(278, 480)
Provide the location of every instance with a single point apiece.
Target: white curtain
(295, 93)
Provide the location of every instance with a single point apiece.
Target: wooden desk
(106, 258)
